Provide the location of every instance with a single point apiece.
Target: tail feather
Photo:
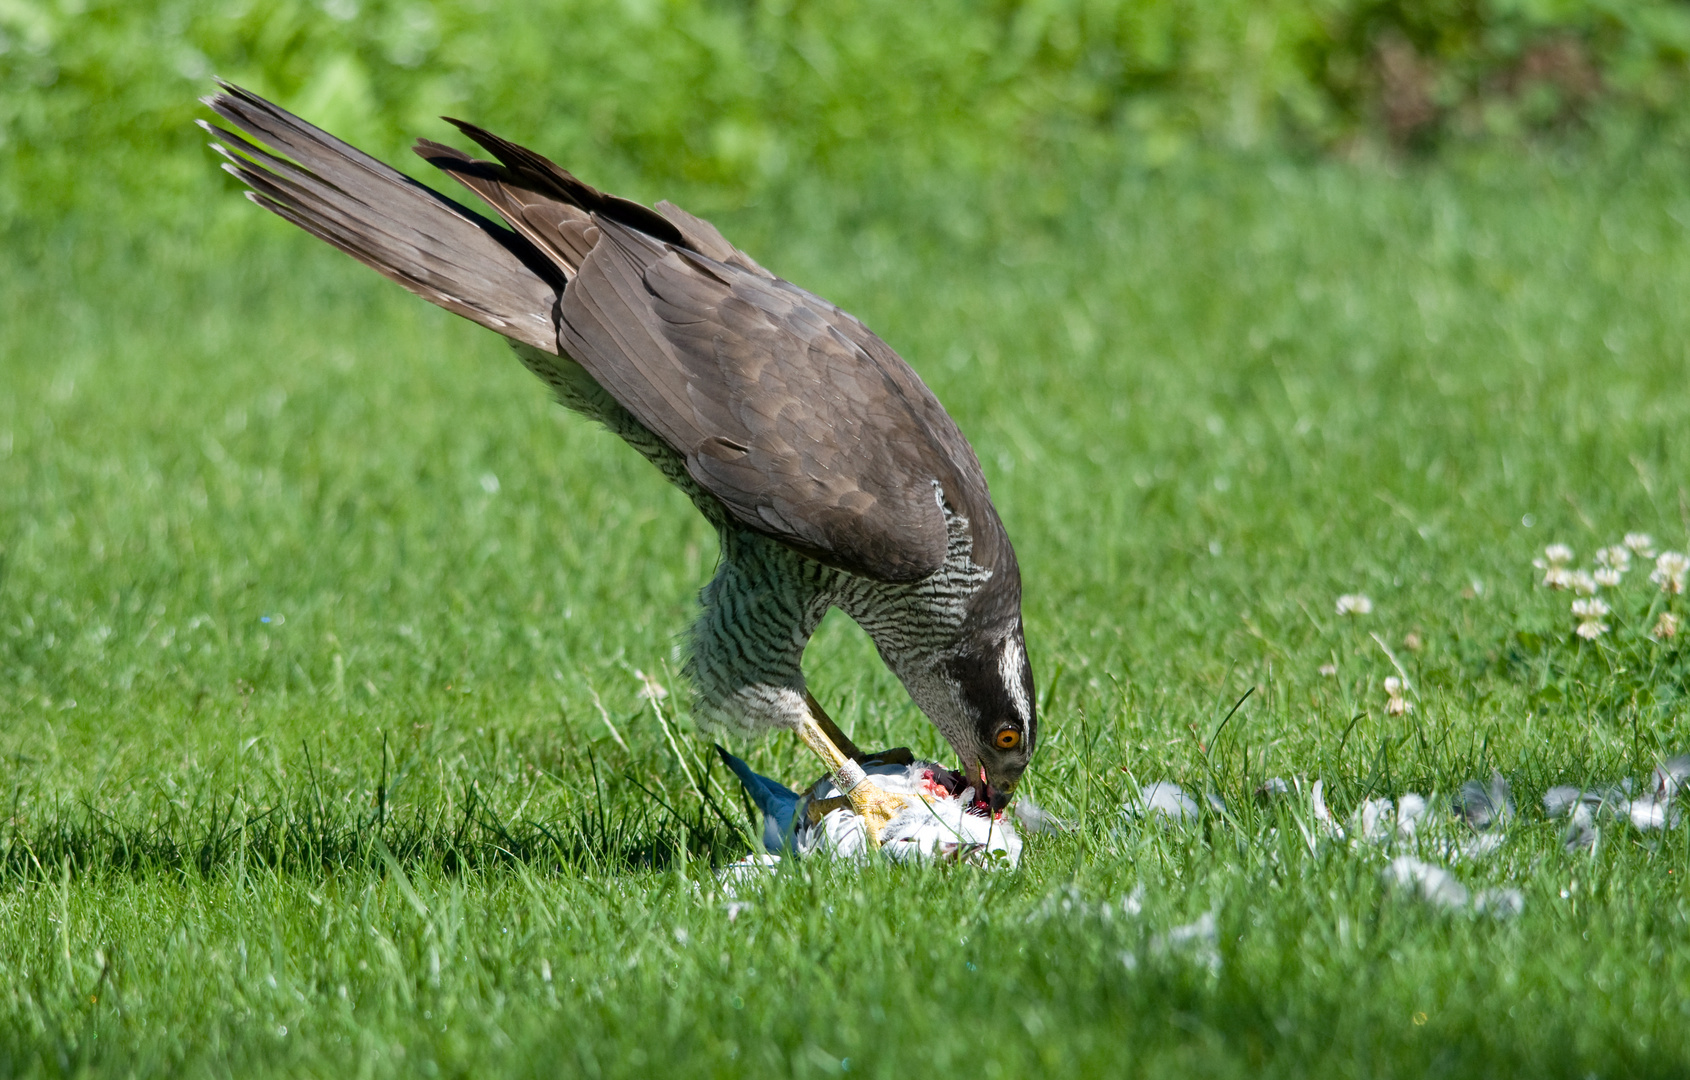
(562, 230)
(540, 199)
(544, 176)
(778, 803)
(433, 246)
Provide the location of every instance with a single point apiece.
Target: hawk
(832, 475)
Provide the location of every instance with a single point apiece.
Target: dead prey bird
(831, 473)
(945, 819)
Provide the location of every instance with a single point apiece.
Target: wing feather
(788, 411)
(771, 398)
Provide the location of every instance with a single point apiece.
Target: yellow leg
(874, 806)
(841, 741)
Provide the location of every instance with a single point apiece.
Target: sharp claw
(820, 808)
(876, 807)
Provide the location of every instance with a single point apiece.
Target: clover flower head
(1608, 576)
(1582, 582)
(1590, 609)
(1558, 554)
(1395, 703)
(650, 688)
(1557, 577)
(1354, 604)
(1590, 612)
(1667, 627)
(1641, 544)
(1617, 558)
(1670, 570)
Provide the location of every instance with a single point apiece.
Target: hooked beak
(991, 797)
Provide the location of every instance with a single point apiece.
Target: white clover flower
(1590, 609)
(1329, 670)
(1395, 703)
(1641, 544)
(1670, 569)
(1616, 558)
(1582, 582)
(1558, 554)
(650, 688)
(1557, 577)
(1354, 604)
(1590, 614)
(1609, 576)
(1667, 628)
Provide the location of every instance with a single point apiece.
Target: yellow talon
(876, 807)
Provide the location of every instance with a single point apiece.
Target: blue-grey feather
(778, 803)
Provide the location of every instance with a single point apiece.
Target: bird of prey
(831, 473)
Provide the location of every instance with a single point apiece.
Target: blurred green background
(756, 97)
(319, 623)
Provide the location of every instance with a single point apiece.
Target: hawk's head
(991, 688)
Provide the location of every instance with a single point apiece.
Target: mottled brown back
(805, 426)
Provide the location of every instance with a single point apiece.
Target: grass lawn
(325, 752)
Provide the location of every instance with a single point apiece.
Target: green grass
(389, 832)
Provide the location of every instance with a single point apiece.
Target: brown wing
(800, 421)
(788, 410)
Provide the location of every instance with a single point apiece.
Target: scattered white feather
(754, 867)
(1440, 888)
(1034, 818)
(1273, 787)
(1322, 815)
(1499, 903)
(1485, 806)
(1067, 902)
(1430, 883)
(1671, 776)
(1654, 809)
(1200, 940)
(1197, 941)
(1166, 800)
(1379, 821)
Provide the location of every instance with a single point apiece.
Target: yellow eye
(1008, 739)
